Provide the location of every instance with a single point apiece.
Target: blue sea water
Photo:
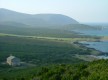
(101, 46)
(103, 32)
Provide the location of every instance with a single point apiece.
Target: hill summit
(37, 19)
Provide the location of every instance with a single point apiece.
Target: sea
(100, 46)
(103, 32)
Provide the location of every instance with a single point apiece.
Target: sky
(85, 11)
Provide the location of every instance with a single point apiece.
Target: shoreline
(91, 57)
(100, 53)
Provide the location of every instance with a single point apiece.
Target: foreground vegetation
(96, 70)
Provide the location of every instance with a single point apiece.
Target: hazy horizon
(83, 11)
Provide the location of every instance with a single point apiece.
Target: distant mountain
(35, 20)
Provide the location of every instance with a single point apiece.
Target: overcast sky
(81, 10)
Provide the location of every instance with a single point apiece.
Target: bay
(101, 46)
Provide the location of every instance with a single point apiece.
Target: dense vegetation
(40, 51)
(96, 70)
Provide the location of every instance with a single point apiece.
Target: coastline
(85, 46)
(91, 57)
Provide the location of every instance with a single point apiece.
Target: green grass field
(37, 51)
(40, 51)
(55, 38)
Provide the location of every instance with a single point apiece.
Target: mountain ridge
(35, 19)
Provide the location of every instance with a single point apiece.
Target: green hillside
(80, 27)
(40, 51)
(43, 32)
(27, 30)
